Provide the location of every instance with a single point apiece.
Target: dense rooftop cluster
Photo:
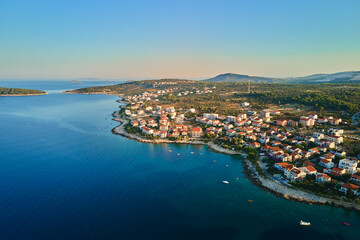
(287, 155)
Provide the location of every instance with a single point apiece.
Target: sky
(138, 39)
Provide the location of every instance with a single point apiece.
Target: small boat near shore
(302, 223)
(225, 182)
(250, 201)
(345, 223)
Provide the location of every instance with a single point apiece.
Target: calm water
(63, 175)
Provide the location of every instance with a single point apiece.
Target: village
(291, 157)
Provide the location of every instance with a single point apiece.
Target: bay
(63, 175)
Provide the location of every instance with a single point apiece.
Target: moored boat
(302, 223)
(225, 182)
(345, 223)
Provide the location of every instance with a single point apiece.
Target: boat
(178, 154)
(345, 223)
(170, 151)
(250, 200)
(192, 152)
(302, 223)
(225, 182)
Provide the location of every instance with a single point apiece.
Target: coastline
(268, 185)
(97, 93)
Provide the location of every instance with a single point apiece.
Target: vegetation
(228, 96)
(18, 91)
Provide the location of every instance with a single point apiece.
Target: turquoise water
(63, 175)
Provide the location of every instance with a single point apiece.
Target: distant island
(19, 92)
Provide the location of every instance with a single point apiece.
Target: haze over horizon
(187, 39)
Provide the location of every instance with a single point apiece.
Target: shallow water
(63, 175)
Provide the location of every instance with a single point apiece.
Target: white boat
(225, 182)
(302, 223)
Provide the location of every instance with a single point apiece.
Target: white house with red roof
(309, 170)
(326, 163)
(196, 132)
(295, 174)
(322, 178)
(348, 186)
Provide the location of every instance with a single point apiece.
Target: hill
(341, 77)
(233, 77)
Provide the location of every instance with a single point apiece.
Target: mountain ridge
(339, 77)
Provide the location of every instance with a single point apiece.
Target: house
(255, 145)
(196, 132)
(276, 143)
(135, 123)
(348, 186)
(231, 119)
(293, 123)
(335, 132)
(242, 116)
(340, 154)
(282, 122)
(264, 140)
(164, 128)
(275, 112)
(295, 156)
(175, 133)
(314, 151)
(349, 165)
(309, 170)
(337, 171)
(308, 163)
(283, 157)
(322, 178)
(211, 116)
(336, 139)
(147, 130)
(306, 121)
(295, 174)
(355, 178)
(228, 126)
(265, 114)
(318, 135)
(265, 148)
(163, 134)
(230, 133)
(335, 121)
(326, 163)
(283, 165)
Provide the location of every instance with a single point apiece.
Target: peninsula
(298, 140)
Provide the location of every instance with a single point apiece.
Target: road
(356, 115)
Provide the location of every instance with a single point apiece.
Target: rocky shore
(290, 193)
(269, 185)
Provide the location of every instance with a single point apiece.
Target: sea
(64, 175)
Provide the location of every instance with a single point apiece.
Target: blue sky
(53, 39)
